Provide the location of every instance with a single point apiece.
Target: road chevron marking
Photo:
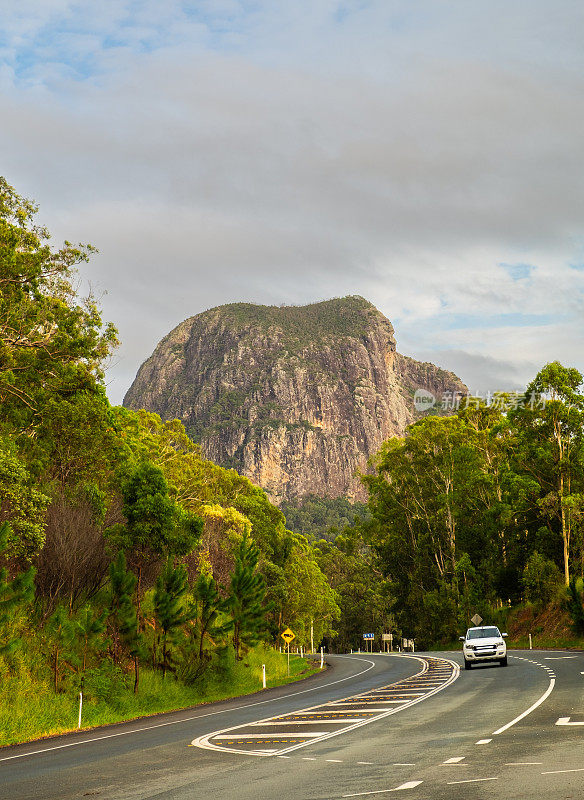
(566, 721)
(205, 742)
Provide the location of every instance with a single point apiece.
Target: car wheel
(503, 662)
(467, 664)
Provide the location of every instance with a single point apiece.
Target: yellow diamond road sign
(288, 635)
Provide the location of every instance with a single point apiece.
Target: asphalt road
(371, 725)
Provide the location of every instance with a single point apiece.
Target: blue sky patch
(518, 272)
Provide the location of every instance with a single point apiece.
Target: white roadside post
(321, 658)
(301, 653)
(530, 647)
(264, 675)
(312, 636)
(80, 707)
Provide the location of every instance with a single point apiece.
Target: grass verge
(30, 709)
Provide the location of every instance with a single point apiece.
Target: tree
(21, 504)
(123, 614)
(541, 579)
(575, 604)
(549, 425)
(61, 629)
(208, 606)
(50, 342)
(169, 604)
(73, 564)
(89, 627)
(15, 595)
(246, 597)
(156, 524)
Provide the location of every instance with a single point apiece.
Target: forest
(131, 566)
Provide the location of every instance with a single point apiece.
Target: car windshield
(482, 633)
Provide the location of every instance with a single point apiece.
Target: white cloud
(288, 152)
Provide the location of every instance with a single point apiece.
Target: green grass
(30, 709)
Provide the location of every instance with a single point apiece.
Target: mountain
(295, 397)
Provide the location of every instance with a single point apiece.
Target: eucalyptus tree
(550, 434)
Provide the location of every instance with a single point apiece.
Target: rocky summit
(295, 397)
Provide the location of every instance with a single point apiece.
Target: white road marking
(524, 763)
(283, 756)
(557, 658)
(542, 699)
(366, 710)
(306, 758)
(566, 721)
(483, 741)
(205, 743)
(366, 762)
(337, 721)
(197, 716)
(408, 785)
(395, 765)
(472, 780)
(560, 771)
(333, 760)
(269, 735)
(373, 701)
(454, 760)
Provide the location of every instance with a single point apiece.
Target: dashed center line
(560, 771)
(471, 780)
(408, 785)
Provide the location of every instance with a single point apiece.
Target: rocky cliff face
(296, 398)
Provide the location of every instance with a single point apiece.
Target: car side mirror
(504, 635)
(461, 638)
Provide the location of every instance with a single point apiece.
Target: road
(370, 726)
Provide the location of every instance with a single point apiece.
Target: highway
(369, 726)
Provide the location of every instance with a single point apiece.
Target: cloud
(427, 156)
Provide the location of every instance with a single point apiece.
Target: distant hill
(295, 397)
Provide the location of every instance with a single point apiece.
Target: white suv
(482, 645)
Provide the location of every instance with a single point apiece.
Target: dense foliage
(476, 511)
(121, 547)
(323, 517)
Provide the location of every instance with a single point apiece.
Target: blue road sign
(369, 636)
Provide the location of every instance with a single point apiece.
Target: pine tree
(62, 632)
(247, 594)
(15, 595)
(169, 607)
(209, 605)
(123, 614)
(89, 628)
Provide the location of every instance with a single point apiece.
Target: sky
(425, 154)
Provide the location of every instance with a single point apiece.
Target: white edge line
(542, 699)
(190, 719)
(203, 741)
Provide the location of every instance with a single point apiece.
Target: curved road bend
(489, 732)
